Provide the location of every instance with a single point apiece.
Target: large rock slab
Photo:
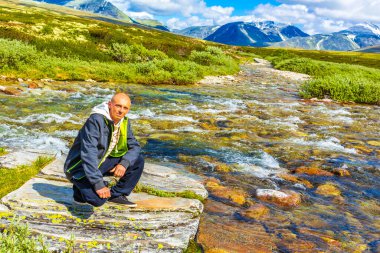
(21, 157)
(157, 224)
(170, 179)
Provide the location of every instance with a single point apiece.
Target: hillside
(65, 44)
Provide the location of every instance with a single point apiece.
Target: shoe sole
(80, 203)
(120, 204)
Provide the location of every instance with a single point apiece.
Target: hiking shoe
(122, 200)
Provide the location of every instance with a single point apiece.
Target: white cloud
(140, 15)
(313, 16)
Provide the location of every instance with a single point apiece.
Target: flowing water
(258, 128)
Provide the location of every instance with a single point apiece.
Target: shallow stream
(245, 134)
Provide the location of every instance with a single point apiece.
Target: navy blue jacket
(91, 145)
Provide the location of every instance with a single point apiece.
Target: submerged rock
(313, 171)
(223, 235)
(237, 196)
(256, 211)
(328, 189)
(284, 198)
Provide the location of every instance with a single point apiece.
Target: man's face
(119, 106)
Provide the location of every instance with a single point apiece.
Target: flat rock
(17, 158)
(156, 224)
(170, 179)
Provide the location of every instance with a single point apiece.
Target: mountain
(102, 7)
(199, 32)
(254, 34)
(105, 8)
(353, 38)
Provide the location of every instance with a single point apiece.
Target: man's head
(119, 106)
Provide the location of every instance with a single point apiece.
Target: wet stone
(285, 198)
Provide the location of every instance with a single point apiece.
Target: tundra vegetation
(17, 237)
(12, 179)
(36, 43)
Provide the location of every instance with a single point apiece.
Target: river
(246, 134)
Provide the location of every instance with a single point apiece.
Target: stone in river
(224, 235)
(237, 196)
(285, 198)
(374, 143)
(256, 211)
(328, 189)
(10, 90)
(313, 171)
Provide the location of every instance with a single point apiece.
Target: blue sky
(242, 7)
(312, 16)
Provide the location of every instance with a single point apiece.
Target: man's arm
(89, 152)
(133, 149)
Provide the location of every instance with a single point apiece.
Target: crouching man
(105, 145)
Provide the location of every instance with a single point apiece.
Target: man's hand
(118, 171)
(104, 193)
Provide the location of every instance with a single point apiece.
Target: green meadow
(58, 43)
(342, 76)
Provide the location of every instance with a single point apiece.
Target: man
(105, 146)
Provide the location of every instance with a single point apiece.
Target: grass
(339, 81)
(371, 60)
(17, 237)
(3, 151)
(37, 43)
(160, 193)
(193, 247)
(12, 179)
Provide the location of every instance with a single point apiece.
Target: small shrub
(3, 151)
(17, 237)
(134, 53)
(15, 54)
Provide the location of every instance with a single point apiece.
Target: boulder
(285, 198)
(32, 85)
(156, 224)
(10, 90)
(169, 179)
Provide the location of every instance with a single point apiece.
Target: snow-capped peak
(372, 27)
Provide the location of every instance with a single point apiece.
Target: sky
(312, 16)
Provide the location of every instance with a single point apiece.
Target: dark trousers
(84, 191)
